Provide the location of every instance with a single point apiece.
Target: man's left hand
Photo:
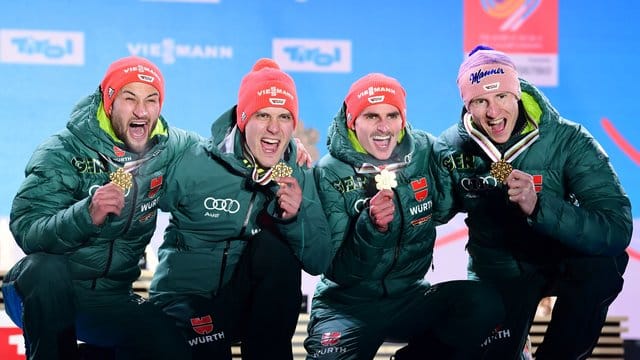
(522, 191)
(289, 196)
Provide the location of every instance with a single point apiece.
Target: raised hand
(381, 209)
(108, 199)
(289, 196)
(522, 191)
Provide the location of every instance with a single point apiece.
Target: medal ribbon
(260, 176)
(130, 166)
(368, 168)
(491, 150)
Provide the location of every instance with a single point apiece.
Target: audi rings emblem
(228, 205)
(479, 183)
(360, 204)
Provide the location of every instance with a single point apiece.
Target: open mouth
(138, 130)
(382, 142)
(498, 125)
(269, 146)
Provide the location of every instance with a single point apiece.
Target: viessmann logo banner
(21, 46)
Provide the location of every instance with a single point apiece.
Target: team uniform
(75, 269)
(374, 289)
(572, 246)
(230, 268)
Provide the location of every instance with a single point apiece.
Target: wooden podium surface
(610, 344)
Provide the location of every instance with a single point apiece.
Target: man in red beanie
(84, 215)
(545, 210)
(245, 221)
(382, 198)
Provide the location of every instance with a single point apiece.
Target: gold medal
(386, 180)
(280, 170)
(501, 170)
(122, 179)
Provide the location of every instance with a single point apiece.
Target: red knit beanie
(371, 89)
(127, 70)
(266, 86)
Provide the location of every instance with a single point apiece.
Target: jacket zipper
(225, 253)
(396, 251)
(134, 190)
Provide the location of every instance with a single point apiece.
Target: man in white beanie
(546, 213)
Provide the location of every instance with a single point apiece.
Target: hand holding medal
(122, 179)
(109, 199)
(289, 194)
(381, 206)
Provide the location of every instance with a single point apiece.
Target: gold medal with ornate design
(122, 179)
(386, 180)
(501, 170)
(280, 170)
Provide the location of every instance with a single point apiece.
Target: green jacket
(368, 263)
(216, 208)
(582, 208)
(50, 212)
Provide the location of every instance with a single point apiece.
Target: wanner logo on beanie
(478, 75)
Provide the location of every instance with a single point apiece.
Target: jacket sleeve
(445, 201)
(599, 221)
(46, 215)
(357, 246)
(308, 233)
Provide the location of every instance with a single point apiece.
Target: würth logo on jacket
(330, 341)
(202, 325)
(118, 152)
(121, 154)
(330, 338)
(420, 190)
(154, 186)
